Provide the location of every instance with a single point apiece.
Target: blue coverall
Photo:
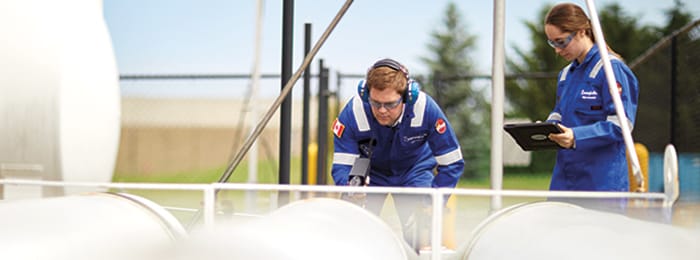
(597, 161)
(404, 155)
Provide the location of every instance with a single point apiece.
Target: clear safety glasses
(388, 105)
(561, 43)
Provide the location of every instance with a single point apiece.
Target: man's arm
(445, 146)
(344, 144)
(450, 168)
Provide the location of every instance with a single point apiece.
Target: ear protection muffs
(412, 87)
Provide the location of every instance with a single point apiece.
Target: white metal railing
(437, 195)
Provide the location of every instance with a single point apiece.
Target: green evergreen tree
(677, 17)
(464, 105)
(624, 34)
(531, 97)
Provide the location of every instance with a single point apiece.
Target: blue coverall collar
(589, 56)
(398, 121)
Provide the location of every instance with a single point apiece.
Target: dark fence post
(305, 120)
(286, 108)
(674, 107)
(322, 125)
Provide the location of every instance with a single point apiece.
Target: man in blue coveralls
(402, 131)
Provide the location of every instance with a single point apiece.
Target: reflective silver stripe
(564, 72)
(616, 121)
(630, 124)
(360, 117)
(554, 116)
(598, 66)
(596, 69)
(449, 158)
(418, 110)
(344, 158)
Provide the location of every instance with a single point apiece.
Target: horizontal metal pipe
(322, 188)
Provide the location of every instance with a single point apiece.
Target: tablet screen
(533, 136)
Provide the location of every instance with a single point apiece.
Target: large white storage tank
(319, 228)
(60, 105)
(86, 226)
(558, 230)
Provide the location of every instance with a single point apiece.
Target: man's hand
(359, 198)
(564, 139)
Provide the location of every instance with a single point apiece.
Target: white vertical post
(498, 95)
(209, 206)
(253, 152)
(436, 234)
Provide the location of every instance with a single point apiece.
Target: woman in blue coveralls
(592, 157)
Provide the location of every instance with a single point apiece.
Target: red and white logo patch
(440, 126)
(338, 128)
(619, 88)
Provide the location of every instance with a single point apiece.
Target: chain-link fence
(669, 98)
(669, 106)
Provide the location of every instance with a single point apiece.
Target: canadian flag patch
(440, 126)
(338, 128)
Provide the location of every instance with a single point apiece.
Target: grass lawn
(520, 181)
(267, 174)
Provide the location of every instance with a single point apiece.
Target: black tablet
(533, 136)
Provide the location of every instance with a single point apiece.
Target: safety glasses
(561, 43)
(388, 105)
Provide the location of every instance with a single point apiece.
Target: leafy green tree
(464, 105)
(676, 17)
(624, 34)
(533, 98)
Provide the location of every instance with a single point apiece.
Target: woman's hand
(564, 139)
